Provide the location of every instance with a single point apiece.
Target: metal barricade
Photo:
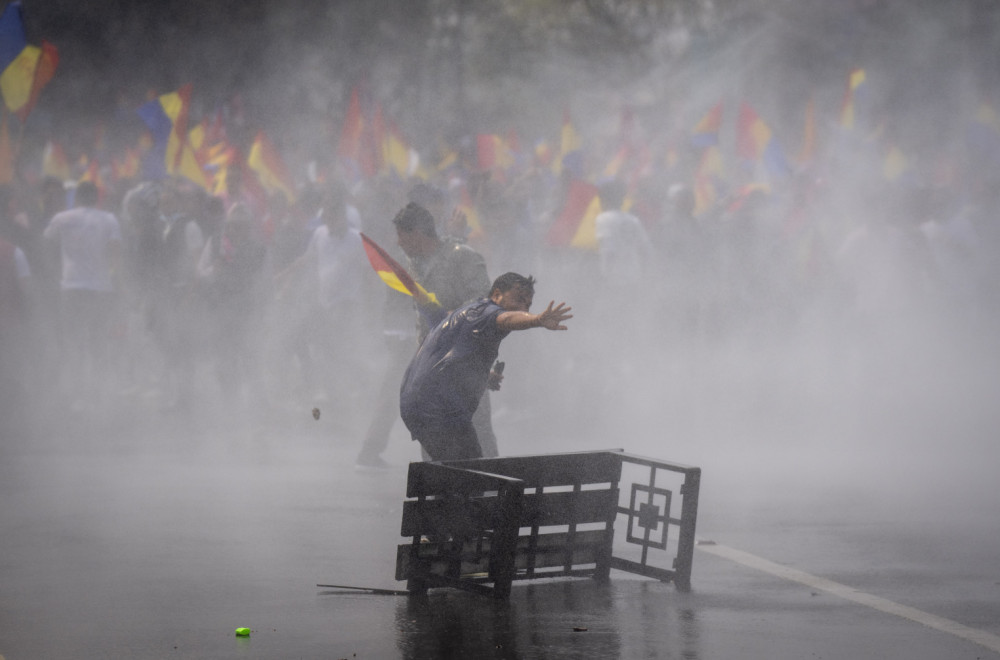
(481, 524)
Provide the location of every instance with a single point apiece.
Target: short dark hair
(86, 194)
(414, 217)
(508, 281)
(612, 194)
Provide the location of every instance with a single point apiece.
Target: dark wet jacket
(448, 375)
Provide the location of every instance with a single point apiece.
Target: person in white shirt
(623, 246)
(90, 247)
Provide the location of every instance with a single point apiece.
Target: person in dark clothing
(451, 370)
(450, 269)
(455, 274)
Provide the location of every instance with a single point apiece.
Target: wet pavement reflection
(160, 550)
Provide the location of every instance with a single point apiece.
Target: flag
(190, 167)
(397, 156)
(265, 160)
(357, 147)
(708, 179)
(218, 158)
(12, 36)
(6, 154)
(17, 77)
(543, 155)
(390, 270)
(569, 146)
(54, 162)
(175, 105)
(24, 69)
(92, 173)
(575, 224)
(448, 160)
(614, 166)
(706, 132)
(492, 153)
(22, 82)
(755, 142)
(166, 118)
(467, 206)
(196, 137)
(848, 109)
(352, 128)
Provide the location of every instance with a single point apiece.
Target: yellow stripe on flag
(586, 234)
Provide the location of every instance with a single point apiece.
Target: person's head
(513, 292)
(86, 194)
(415, 231)
(53, 195)
(682, 200)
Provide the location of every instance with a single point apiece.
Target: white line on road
(980, 637)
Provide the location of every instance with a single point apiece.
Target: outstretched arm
(550, 319)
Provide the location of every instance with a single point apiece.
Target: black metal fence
(481, 524)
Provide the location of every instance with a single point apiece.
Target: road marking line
(974, 635)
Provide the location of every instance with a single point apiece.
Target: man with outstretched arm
(452, 368)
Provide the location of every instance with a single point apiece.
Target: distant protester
(89, 241)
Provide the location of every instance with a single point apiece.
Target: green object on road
(242, 632)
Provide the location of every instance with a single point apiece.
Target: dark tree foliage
(465, 63)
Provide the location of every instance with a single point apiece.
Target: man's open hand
(552, 317)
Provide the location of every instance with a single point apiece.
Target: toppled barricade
(480, 524)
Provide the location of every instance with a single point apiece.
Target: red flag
(493, 152)
(357, 138)
(756, 142)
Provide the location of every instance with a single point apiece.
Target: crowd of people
(165, 291)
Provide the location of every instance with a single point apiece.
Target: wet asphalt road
(161, 545)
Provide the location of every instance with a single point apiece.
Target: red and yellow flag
(23, 80)
(265, 160)
(575, 226)
(391, 272)
(493, 152)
